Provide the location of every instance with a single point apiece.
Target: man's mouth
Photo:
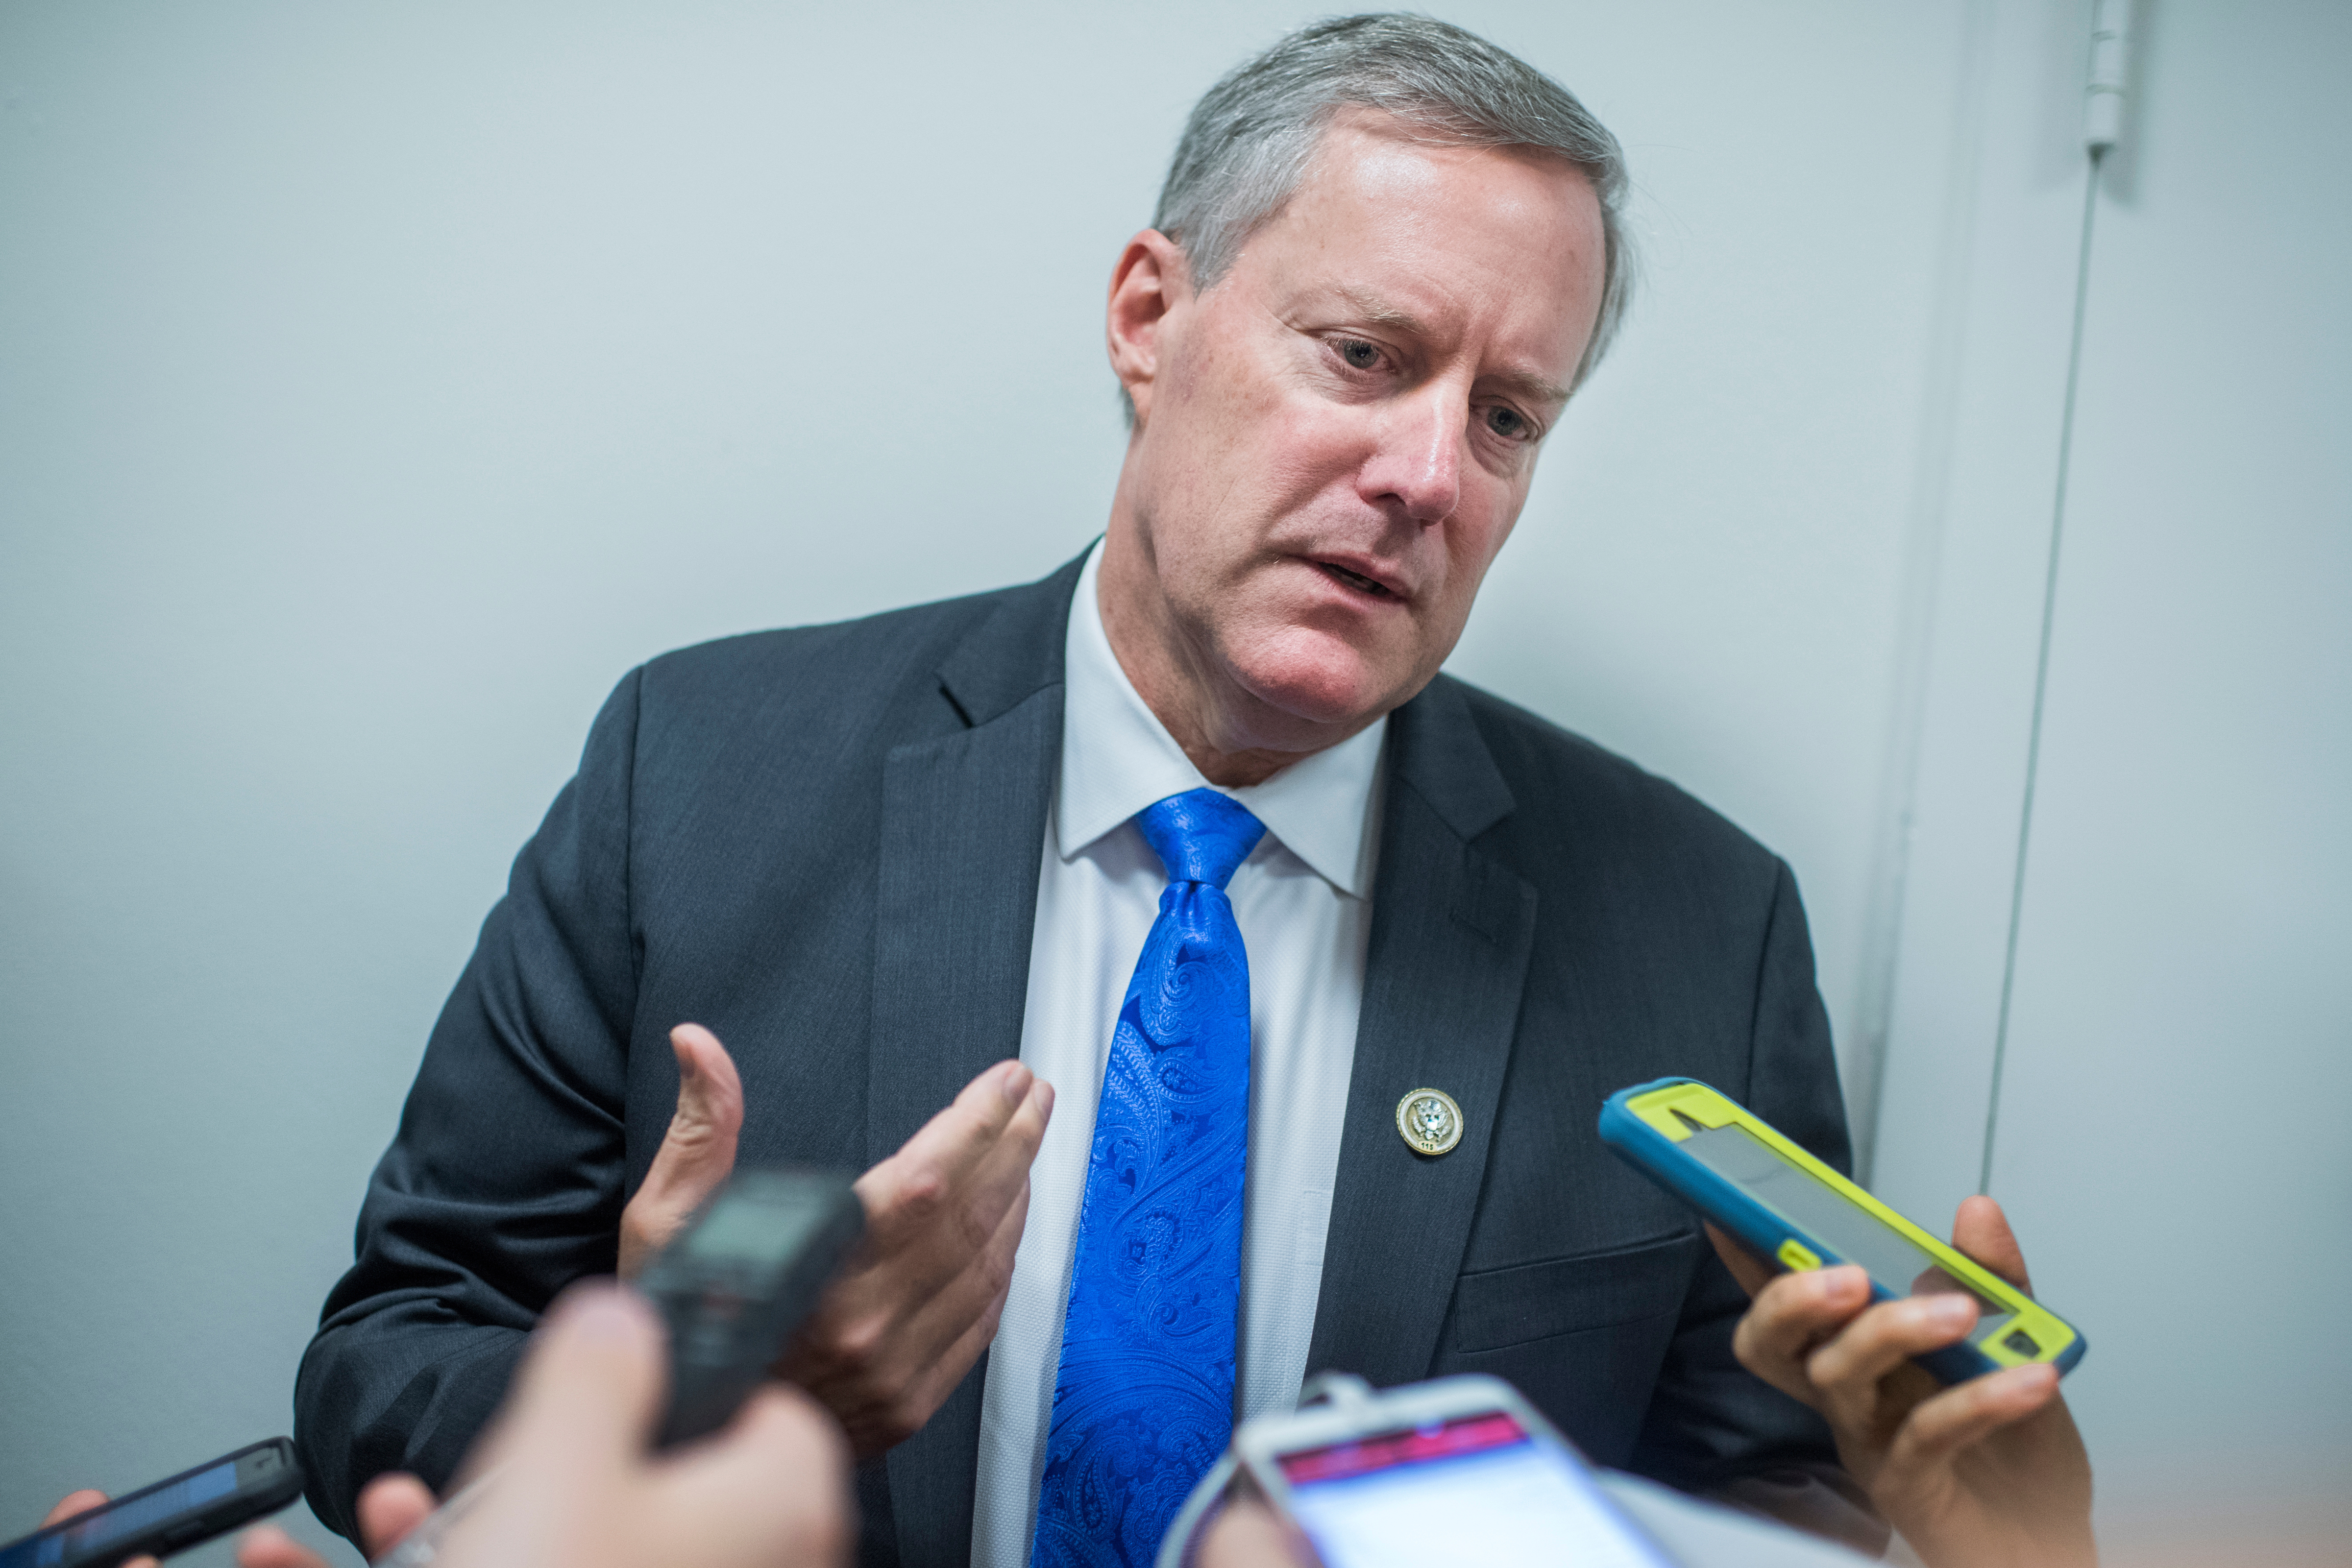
(1355, 580)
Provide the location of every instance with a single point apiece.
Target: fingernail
(1016, 1085)
(1948, 1311)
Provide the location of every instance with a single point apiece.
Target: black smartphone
(170, 1515)
(735, 1284)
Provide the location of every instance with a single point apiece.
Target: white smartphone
(1461, 1469)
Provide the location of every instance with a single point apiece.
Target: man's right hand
(917, 1304)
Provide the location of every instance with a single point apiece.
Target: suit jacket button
(1429, 1121)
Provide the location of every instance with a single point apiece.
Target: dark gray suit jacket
(823, 844)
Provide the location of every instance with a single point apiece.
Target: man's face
(1335, 440)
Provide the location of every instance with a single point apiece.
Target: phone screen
(124, 1516)
(1811, 1205)
(1473, 1490)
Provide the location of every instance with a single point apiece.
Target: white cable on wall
(2103, 108)
(1865, 1061)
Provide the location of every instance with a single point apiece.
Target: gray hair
(1251, 138)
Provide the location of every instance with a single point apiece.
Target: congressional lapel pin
(1429, 1121)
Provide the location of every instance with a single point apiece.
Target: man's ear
(1150, 282)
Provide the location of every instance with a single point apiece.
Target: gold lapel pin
(1429, 1121)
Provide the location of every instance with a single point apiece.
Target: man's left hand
(1987, 1474)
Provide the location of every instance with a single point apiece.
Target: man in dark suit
(909, 862)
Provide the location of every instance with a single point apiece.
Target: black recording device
(738, 1279)
(172, 1515)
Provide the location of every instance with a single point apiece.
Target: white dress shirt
(1302, 900)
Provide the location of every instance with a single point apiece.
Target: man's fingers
(975, 1295)
(390, 1507)
(697, 1153)
(1002, 1174)
(1941, 1426)
(970, 1284)
(965, 1315)
(1752, 1272)
(933, 1163)
(949, 1188)
(884, 1374)
(1981, 1230)
(944, 1217)
(1791, 1316)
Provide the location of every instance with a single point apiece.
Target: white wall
(378, 384)
(2182, 1006)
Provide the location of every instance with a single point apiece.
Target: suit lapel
(1450, 933)
(963, 823)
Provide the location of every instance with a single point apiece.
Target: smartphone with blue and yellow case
(1741, 1172)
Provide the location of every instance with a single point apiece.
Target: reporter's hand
(1987, 1474)
(919, 1300)
(1248, 1535)
(579, 1487)
(697, 1153)
(390, 1507)
(82, 1501)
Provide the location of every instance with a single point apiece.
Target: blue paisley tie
(1144, 1403)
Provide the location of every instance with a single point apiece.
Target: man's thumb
(697, 1153)
(709, 1107)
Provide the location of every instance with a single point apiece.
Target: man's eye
(1360, 354)
(1509, 424)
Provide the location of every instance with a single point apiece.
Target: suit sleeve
(1713, 1426)
(504, 1181)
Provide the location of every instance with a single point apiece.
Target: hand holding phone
(170, 1515)
(1989, 1471)
(730, 1286)
(1461, 1469)
(577, 1483)
(1872, 1318)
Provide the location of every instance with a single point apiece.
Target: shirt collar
(1118, 759)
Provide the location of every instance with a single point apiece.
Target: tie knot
(1199, 835)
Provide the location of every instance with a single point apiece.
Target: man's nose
(1417, 466)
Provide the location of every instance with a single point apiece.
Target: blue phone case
(1765, 1232)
